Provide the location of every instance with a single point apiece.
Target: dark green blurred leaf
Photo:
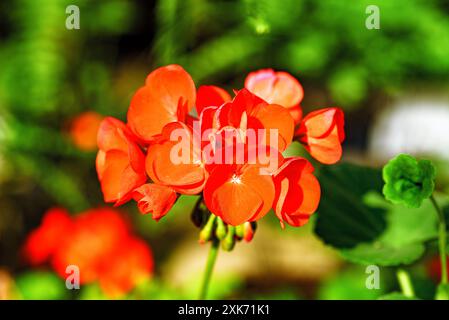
(343, 219)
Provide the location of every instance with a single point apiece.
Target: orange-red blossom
(138, 159)
(98, 241)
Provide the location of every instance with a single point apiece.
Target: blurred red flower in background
(83, 130)
(236, 192)
(434, 268)
(98, 241)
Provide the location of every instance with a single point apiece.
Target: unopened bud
(206, 232)
(229, 241)
(240, 231)
(249, 230)
(220, 230)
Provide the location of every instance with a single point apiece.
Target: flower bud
(200, 214)
(408, 181)
(239, 231)
(228, 243)
(206, 232)
(249, 230)
(220, 230)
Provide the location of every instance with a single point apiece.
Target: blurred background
(56, 84)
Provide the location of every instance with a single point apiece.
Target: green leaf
(403, 240)
(40, 285)
(352, 202)
(383, 254)
(343, 219)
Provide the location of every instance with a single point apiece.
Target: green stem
(441, 240)
(405, 283)
(209, 267)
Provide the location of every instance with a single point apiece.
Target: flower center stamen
(236, 179)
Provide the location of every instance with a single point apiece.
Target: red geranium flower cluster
(242, 188)
(98, 242)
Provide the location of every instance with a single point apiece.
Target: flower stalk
(405, 283)
(212, 257)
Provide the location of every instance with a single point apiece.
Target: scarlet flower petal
(238, 197)
(118, 178)
(100, 163)
(110, 135)
(277, 119)
(157, 103)
(322, 132)
(296, 113)
(155, 199)
(176, 163)
(120, 162)
(275, 87)
(210, 96)
(297, 191)
(230, 114)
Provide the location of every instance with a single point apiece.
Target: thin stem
(209, 267)
(441, 240)
(405, 283)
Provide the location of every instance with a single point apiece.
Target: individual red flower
(297, 192)
(83, 130)
(247, 110)
(277, 88)
(238, 195)
(168, 95)
(240, 192)
(322, 132)
(120, 162)
(99, 242)
(176, 164)
(155, 199)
